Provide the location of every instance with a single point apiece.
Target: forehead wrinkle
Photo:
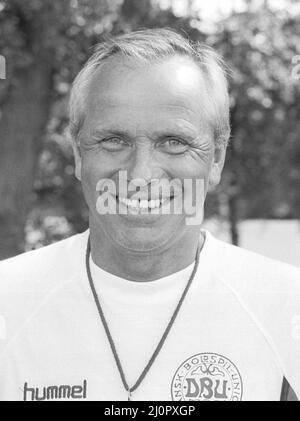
(177, 128)
(179, 114)
(172, 100)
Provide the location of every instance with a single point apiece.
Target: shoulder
(249, 271)
(42, 267)
(30, 280)
(269, 292)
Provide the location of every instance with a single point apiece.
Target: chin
(144, 238)
(140, 235)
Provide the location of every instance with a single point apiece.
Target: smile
(137, 204)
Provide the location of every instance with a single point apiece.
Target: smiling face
(151, 121)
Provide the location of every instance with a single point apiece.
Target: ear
(77, 158)
(216, 167)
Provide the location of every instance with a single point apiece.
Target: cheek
(95, 167)
(89, 171)
(189, 166)
(193, 170)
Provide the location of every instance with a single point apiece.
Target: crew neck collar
(113, 283)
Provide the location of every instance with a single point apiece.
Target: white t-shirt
(236, 337)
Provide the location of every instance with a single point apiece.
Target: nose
(141, 164)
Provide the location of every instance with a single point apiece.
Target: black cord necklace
(108, 334)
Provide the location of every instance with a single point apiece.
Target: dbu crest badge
(207, 377)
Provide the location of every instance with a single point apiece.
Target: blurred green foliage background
(46, 42)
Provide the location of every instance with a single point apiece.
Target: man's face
(150, 121)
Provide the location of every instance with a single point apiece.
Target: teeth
(142, 204)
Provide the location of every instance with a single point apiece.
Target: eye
(174, 142)
(113, 143)
(173, 145)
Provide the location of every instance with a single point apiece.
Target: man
(146, 305)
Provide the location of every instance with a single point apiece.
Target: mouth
(137, 205)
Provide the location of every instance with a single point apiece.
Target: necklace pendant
(108, 334)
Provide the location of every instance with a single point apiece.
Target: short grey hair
(147, 46)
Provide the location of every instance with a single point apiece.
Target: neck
(147, 265)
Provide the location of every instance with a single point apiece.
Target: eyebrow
(111, 131)
(188, 135)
